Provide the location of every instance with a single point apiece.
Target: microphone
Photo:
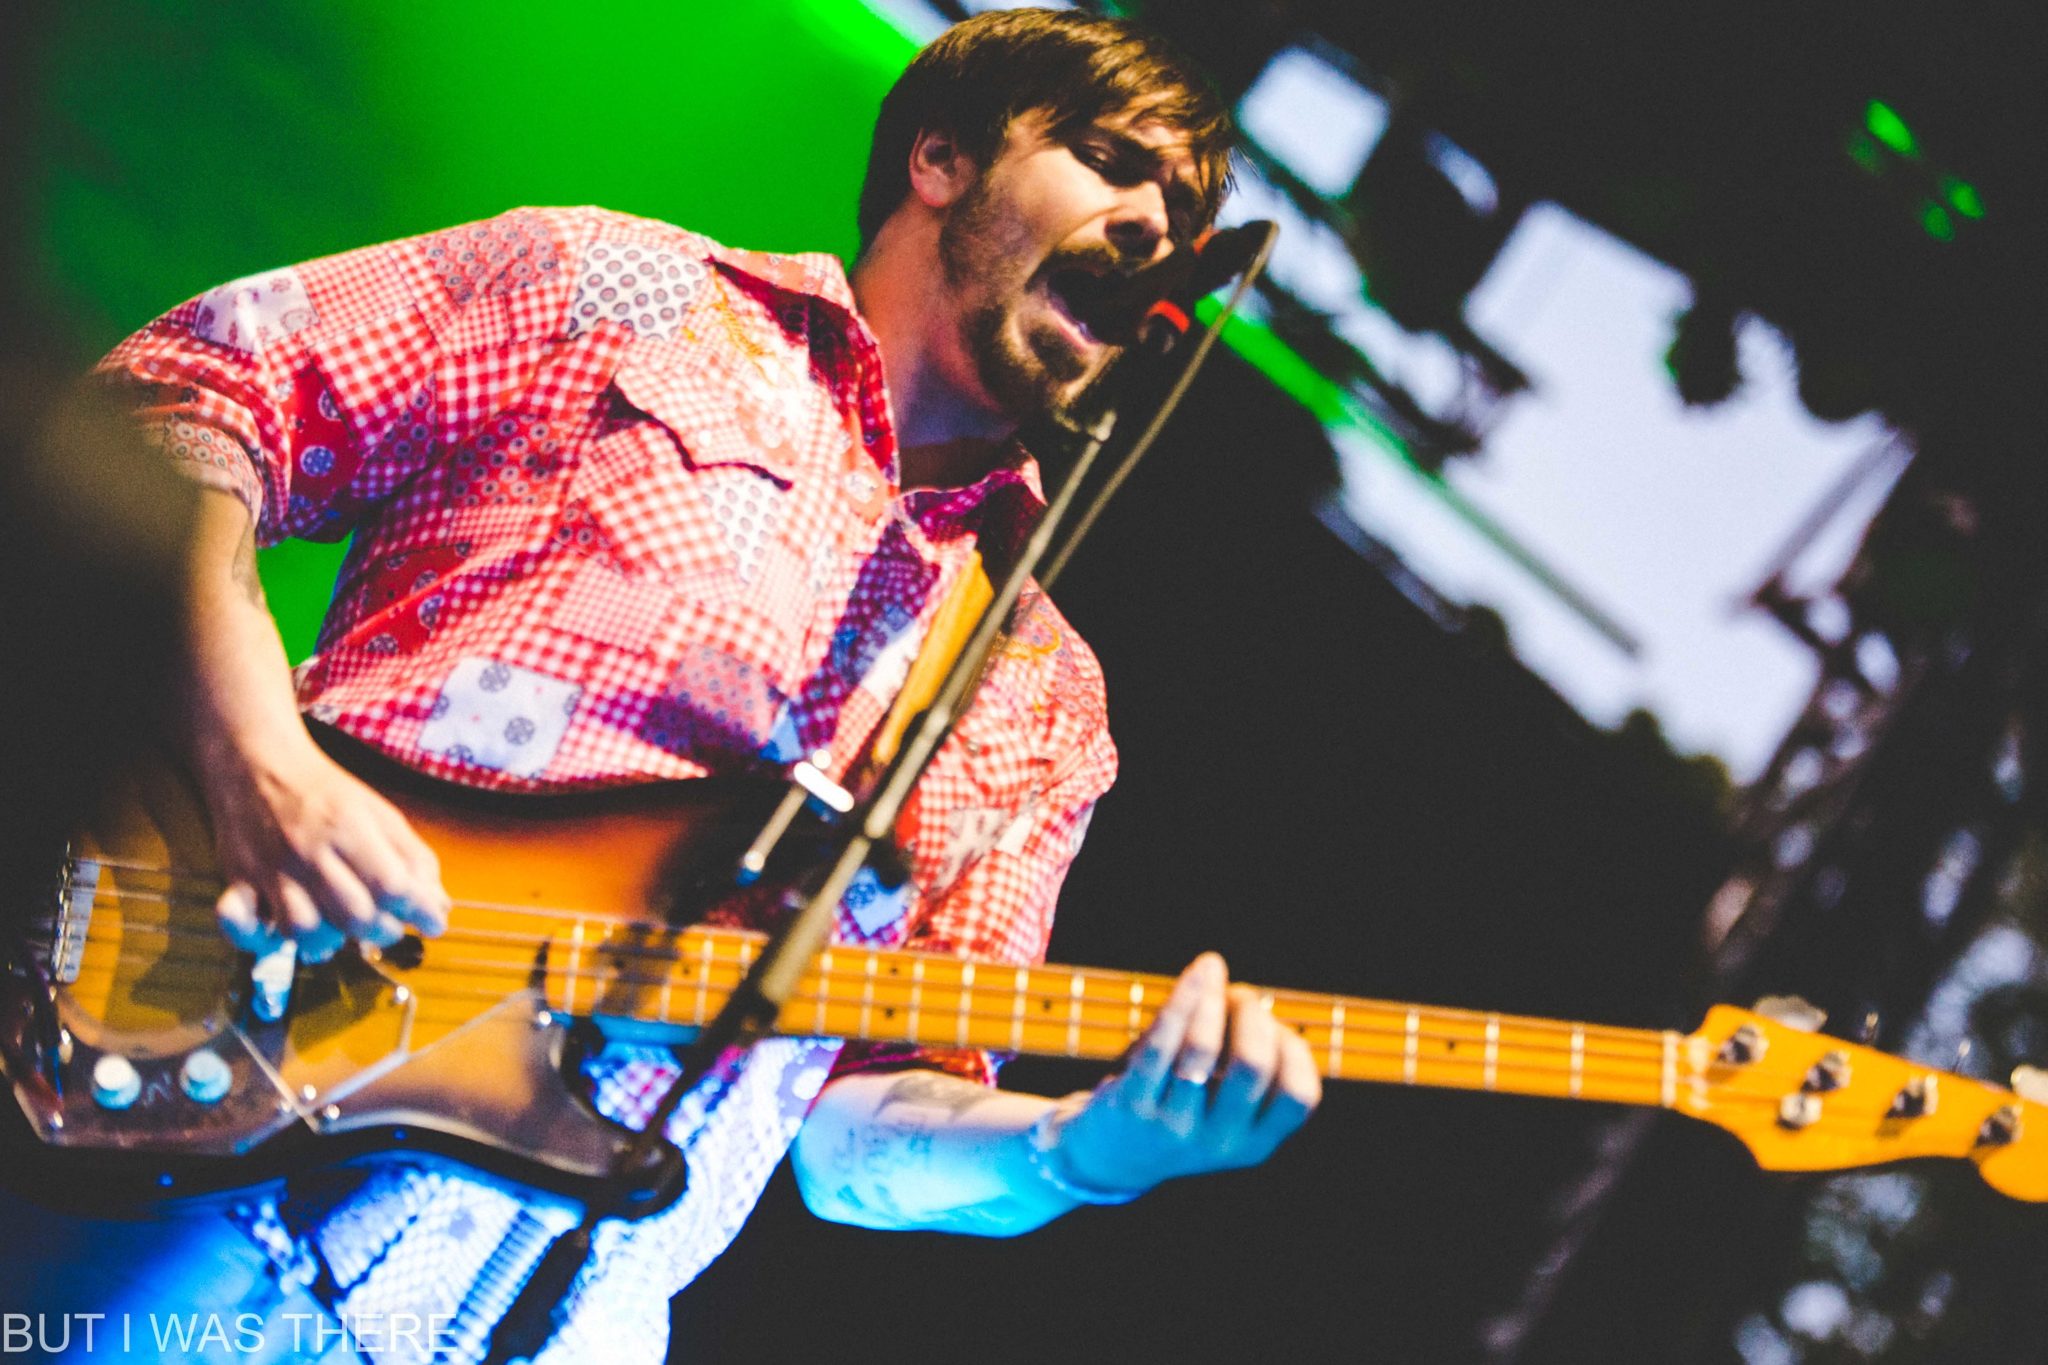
(1163, 294)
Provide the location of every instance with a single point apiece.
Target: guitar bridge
(78, 885)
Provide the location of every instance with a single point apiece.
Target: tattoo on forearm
(893, 1146)
(898, 1142)
(243, 571)
(846, 1153)
(879, 1205)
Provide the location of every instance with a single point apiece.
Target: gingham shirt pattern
(624, 508)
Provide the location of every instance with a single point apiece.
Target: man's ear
(940, 172)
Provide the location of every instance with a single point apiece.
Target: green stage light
(1265, 352)
(1887, 127)
(1934, 218)
(1864, 151)
(324, 127)
(1263, 349)
(1962, 197)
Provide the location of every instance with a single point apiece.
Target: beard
(983, 254)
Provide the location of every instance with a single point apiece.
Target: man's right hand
(313, 855)
(309, 853)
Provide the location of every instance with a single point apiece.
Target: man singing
(630, 505)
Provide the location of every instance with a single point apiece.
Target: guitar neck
(881, 995)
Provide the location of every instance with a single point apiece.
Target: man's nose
(1138, 227)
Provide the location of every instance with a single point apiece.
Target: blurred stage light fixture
(1702, 356)
(1833, 384)
(1427, 220)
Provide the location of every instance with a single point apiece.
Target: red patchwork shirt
(624, 507)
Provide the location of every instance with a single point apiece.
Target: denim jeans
(182, 1287)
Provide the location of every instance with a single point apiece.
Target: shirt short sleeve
(314, 392)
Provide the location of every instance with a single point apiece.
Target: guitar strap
(951, 626)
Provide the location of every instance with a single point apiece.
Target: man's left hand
(1216, 1083)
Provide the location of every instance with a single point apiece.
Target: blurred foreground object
(91, 526)
(91, 530)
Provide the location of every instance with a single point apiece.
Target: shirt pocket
(738, 446)
(682, 487)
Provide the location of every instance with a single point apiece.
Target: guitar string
(569, 917)
(1152, 998)
(943, 1001)
(1511, 1053)
(1854, 1123)
(1832, 1117)
(1503, 1060)
(1638, 1074)
(690, 958)
(1119, 981)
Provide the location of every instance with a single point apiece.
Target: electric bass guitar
(149, 1058)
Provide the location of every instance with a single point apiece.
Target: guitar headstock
(1803, 1101)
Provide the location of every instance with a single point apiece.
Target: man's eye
(1111, 165)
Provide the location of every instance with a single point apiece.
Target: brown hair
(977, 76)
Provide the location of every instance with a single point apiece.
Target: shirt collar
(1001, 506)
(814, 274)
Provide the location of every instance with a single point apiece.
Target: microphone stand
(865, 830)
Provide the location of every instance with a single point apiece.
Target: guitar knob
(205, 1077)
(2001, 1129)
(1916, 1100)
(116, 1083)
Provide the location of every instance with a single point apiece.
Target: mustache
(1101, 259)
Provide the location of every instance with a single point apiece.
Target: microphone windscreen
(1190, 272)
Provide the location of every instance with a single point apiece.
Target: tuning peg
(2030, 1083)
(1798, 1110)
(1792, 1012)
(1831, 1072)
(1962, 1055)
(1747, 1044)
(2001, 1129)
(1917, 1099)
(1868, 1035)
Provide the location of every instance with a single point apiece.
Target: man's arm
(1215, 1083)
(306, 849)
(236, 387)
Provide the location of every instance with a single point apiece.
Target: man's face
(1043, 227)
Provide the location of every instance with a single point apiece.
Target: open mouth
(1078, 295)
